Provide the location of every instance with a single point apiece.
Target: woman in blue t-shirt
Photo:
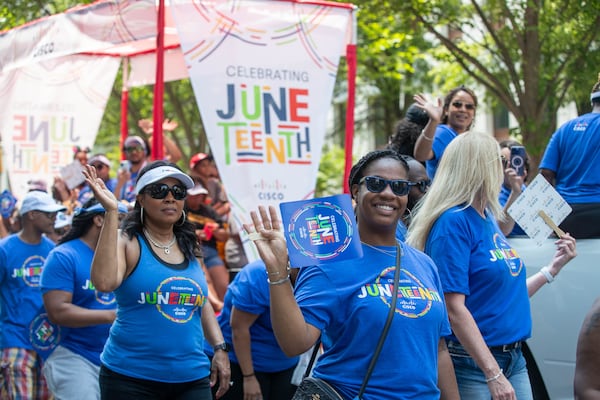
(484, 280)
(74, 303)
(155, 349)
(446, 121)
(349, 300)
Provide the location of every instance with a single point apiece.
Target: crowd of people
(126, 278)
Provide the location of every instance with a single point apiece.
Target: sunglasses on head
(423, 185)
(161, 190)
(459, 104)
(376, 184)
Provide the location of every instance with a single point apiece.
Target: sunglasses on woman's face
(161, 190)
(423, 185)
(376, 184)
(460, 104)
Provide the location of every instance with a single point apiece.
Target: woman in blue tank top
(155, 347)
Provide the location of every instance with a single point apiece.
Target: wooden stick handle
(559, 232)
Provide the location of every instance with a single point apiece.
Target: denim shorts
(471, 380)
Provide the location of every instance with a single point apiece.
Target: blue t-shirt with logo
(24, 323)
(475, 259)
(157, 334)
(349, 301)
(67, 269)
(573, 153)
(444, 134)
(249, 292)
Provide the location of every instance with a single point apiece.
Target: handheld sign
(539, 210)
(320, 230)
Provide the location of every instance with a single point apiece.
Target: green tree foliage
(530, 55)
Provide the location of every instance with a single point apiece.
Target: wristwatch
(222, 346)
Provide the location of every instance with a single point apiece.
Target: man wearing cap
(136, 151)
(24, 333)
(102, 165)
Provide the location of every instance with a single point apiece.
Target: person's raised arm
(423, 146)
(293, 334)
(516, 184)
(109, 265)
(566, 250)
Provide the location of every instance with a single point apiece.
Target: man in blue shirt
(26, 334)
(571, 164)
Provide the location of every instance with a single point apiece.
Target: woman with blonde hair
(485, 284)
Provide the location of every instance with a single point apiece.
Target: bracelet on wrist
(279, 282)
(547, 274)
(495, 377)
(247, 375)
(288, 269)
(426, 137)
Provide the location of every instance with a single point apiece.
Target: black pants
(115, 386)
(584, 221)
(273, 385)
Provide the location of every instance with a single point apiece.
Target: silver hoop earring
(142, 215)
(183, 217)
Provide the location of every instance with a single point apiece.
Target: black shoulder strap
(384, 333)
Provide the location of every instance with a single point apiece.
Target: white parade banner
(46, 109)
(263, 74)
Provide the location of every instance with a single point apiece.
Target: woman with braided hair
(571, 164)
(348, 301)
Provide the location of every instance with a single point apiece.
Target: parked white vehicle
(558, 310)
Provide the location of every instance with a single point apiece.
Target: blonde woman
(484, 280)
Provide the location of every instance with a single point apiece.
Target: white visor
(160, 173)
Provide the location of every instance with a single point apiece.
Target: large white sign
(263, 74)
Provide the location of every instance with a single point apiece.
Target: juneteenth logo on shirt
(43, 334)
(31, 271)
(505, 253)
(176, 298)
(414, 299)
(101, 297)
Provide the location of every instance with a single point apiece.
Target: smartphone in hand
(125, 165)
(517, 159)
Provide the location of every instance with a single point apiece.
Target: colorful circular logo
(105, 298)
(321, 230)
(31, 271)
(414, 298)
(506, 253)
(178, 298)
(43, 334)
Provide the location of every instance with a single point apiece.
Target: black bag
(315, 389)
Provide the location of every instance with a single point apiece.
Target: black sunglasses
(376, 184)
(423, 185)
(459, 104)
(98, 166)
(131, 149)
(161, 190)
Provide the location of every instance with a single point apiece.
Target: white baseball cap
(196, 190)
(159, 173)
(39, 201)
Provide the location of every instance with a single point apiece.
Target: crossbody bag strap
(386, 327)
(313, 357)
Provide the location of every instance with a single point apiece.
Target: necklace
(166, 248)
(386, 252)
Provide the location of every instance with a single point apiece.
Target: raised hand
(267, 234)
(434, 111)
(101, 192)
